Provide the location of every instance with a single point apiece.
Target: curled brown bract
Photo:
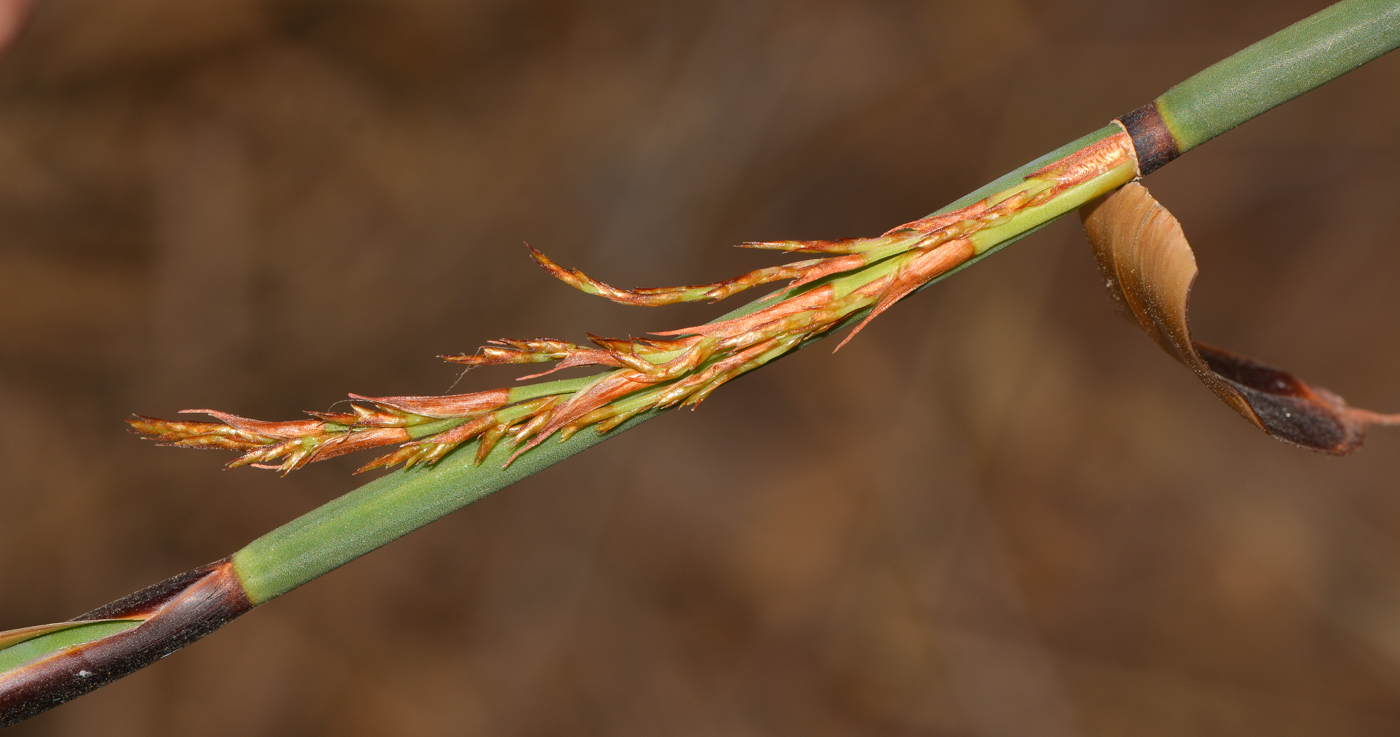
(1149, 269)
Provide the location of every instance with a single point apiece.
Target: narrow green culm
(19, 654)
(1301, 57)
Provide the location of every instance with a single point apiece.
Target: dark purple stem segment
(1152, 140)
(178, 611)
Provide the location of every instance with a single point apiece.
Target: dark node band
(1153, 142)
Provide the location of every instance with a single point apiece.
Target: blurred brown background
(1000, 511)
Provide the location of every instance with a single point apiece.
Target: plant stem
(174, 613)
(1296, 60)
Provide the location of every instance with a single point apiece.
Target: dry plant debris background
(999, 511)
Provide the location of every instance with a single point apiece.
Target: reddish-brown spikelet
(611, 386)
(456, 405)
(351, 442)
(920, 269)
(659, 296)
(809, 300)
(843, 246)
(294, 429)
(507, 351)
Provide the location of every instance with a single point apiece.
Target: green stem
(1301, 57)
(76, 634)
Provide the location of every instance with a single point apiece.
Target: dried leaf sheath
(114, 640)
(1149, 269)
(854, 279)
